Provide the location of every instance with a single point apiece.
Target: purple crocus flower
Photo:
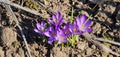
(56, 35)
(41, 28)
(74, 28)
(67, 30)
(61, 37)
(83, 24)
(52, 34)
(56, 20)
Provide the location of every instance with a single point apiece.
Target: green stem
(88, 18)
(94, 7)
(71, 18)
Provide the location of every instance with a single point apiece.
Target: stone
(110, 9)
(7, 36)
(1, 52)
(82, 45)
(89, 51)
(21, 52)
(57, 52)
(102, 16)
(97, 28)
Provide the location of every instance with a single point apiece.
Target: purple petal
(58, 15)
(38, 25)
(70, 25)
(61, 21)
(79, 33)
(50, 40)
(51, 29)
(88, 23)
(38, 31)
(89, 30)
(53, 17)
(51, 21)
(73, 28)
(59, 42)
(52, 32)
(67, 25)
(75, 22)
(47, 34)
(60, 32)
(83, 19)
(65, 40)
(42, 23)
(78, 21)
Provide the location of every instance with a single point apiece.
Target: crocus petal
(65, 40)
(55, 20)
(50, 40)
(67, 29)
(89, 30)
(42, 23)
(58, 15)
(88, 23)
(83, 19)
(38, 31)
(78, 21)
(79, 33)
(60, 32)
(67, 25)
(75, 23)
(71, 27)
(59, 42)
(47, 34)
(53, 16)
(61, 21)
(51, 21)
(38, 25)
(50, 28)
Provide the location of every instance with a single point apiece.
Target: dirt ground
(106, 24)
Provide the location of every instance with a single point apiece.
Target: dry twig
(108, 41)
(90, 38)
(20, 7)
(8, 8)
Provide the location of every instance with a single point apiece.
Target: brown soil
(106, 20)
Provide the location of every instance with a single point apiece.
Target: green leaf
(56, 44)
(63, 44)
(71, 17)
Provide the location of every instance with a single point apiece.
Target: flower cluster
(60, 31)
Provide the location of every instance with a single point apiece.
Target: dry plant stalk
(90, 38)
(108, 41)
(20, 7)
(9, 10)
